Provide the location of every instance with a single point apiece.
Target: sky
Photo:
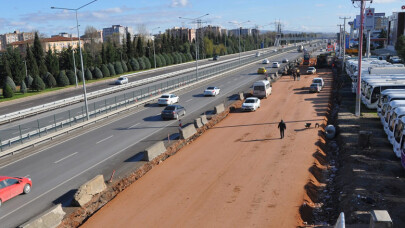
(295, 15)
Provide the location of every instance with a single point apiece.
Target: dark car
(173, 112)
(216, 58)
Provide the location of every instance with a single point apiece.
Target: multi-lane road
(59, 167)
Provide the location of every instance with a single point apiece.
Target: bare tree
(92, 41)
(142, 31)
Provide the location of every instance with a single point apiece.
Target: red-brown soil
(237, 174)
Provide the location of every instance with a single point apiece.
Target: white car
(266, 61)
(121, 81)
(211, 91)
(311, 70)
(168, 99)
(275, 65)
(319, 81)
(251, 104)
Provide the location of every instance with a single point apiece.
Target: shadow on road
(259, 140)
(136, 158)
(65, 199)
(270, 123)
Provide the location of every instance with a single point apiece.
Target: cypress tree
(23, 88)
(111, 69)
(37, 84)
(62, 79)
(49, 80)
(105, 71)
(11, 83)
(7, 91)
(124, 66)
(71, 76)
(88, 75)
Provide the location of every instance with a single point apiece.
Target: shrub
(88, 75)
(10, 82)
(163, 60)
(124, 66)
(147, 62)
(62, 79)
(105, 71)
(28, 81)
(79, 75)
(129, 67)
(49, 80)
(170, 55)
(37, 84)
(97, 73)
(141, 63)
(118, 68)
(23, 88)
(189, 57)
(111, 69)
(7, 91)
(135, 64)
(183, 57)
(71, 76)
(167, 59)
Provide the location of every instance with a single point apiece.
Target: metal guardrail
(68, 101)
(71, 117)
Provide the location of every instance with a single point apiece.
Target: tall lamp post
(74, 59)
(239, 28)
(197, 21)
(81, 55)
(153, 40)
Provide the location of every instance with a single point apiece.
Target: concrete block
(380, 219)
(187, 132)
(49, 219)
(153, 151)
(86, 192)
(219, 108)
(241, 96)
(198, 123)
(204, 119)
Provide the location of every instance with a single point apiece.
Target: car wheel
(0, 202)
(27, 189)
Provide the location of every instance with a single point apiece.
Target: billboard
(347, 41)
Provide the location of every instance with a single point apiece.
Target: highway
(59, 167)
(35, 101)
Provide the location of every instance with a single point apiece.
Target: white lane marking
(189, 100)
(84, 171)
(105, 139)
(65, 157)
(133, 125)
(27, 104)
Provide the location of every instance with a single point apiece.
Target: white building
(117, 32)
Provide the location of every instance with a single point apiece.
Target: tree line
(110, 58)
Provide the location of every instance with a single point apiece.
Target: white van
(261, 89)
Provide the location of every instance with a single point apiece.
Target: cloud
(385, 1)
(179, 3)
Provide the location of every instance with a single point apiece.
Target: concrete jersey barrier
(153, 151)
(51, 218)
(219, 108)
(198, 123)
(204, 120)
(86, 192)
(188, 131)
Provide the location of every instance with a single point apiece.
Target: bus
(373, 90)
(389, 95)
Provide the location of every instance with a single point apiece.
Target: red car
(13, 186)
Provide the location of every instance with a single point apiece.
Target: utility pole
(344, 41)
(360, 53)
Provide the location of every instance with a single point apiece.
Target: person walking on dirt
(298, 76)
(282, 127)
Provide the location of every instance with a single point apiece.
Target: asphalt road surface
(237, 174)
(60, 166)
(13, 106)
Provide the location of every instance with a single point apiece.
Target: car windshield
(120, 78)
(314, 84)
(210, 88)
(311, 68)
(164, 96)
(170, 108)
(317, 81)
(250, 101)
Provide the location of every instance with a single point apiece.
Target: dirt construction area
(239, 173)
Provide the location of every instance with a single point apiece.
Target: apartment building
(116, 33)
(181, 32)
(9, 38)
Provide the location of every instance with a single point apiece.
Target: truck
(307, 56)
(300, 48)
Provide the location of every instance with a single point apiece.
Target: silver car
(315, 87)
(251, 104)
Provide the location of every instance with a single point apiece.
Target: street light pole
(344, 40)
(154, 54)
(74, 61)
(197, 22)
(239, 29)
(81, 55)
